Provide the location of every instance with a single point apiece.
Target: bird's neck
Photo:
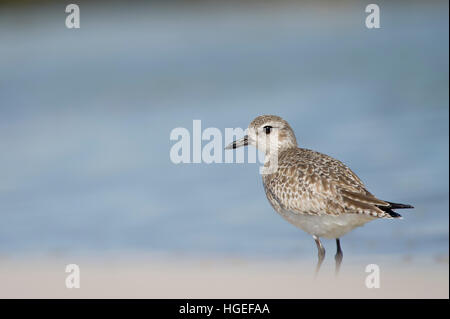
(271, 159)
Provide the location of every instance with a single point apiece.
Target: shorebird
(311, 190)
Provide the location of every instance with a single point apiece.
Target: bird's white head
(268, 133)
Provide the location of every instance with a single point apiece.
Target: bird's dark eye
(267, 129)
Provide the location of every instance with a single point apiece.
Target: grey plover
(312, 191)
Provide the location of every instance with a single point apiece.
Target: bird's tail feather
(389, 209)
(398, 206)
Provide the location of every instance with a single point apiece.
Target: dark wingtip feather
(389, 209)
(393, 214)
(398, 206)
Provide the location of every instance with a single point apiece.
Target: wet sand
(220, 278)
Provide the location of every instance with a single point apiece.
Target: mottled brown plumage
(308, 182)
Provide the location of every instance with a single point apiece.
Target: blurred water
(85, 118)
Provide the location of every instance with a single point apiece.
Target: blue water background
(85, 119)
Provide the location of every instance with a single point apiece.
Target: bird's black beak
(236, 144)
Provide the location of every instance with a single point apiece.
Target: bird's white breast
(325, 225)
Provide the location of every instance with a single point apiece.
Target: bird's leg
(321, 251)
(338, 257)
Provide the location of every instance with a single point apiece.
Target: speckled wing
(308, 182)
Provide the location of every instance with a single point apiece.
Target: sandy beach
(220, 278)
